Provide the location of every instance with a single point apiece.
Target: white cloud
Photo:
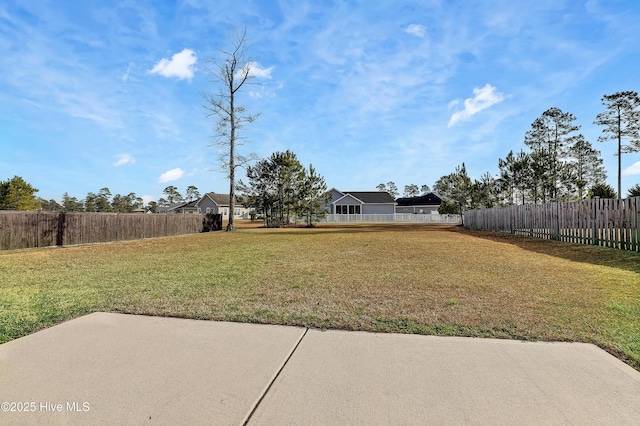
(416, 30)
(180, 66)
(124, 159)
(483, 99)
(146, 199)
(633, 169)
(255, 70)
(171, 175)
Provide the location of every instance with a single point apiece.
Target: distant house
(184, 207)
(424, 204)
(361, 202)
(219, 204)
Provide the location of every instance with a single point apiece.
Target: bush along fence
(20, 230)
(602, 222)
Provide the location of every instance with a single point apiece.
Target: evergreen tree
(103, 200)
(587, 166)
(411, 190)
(90, 202)
(621, 121)
(515, 176)
(282, 190)
(602, 190)
(457, 187)
(192, 193)
(313, 195)
(17, 194)
(392, 189)
(552, 134)
(172, 194)
(71, 204)
(634, 191)
(49, 205)
(484, 192)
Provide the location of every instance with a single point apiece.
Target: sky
(104, 93)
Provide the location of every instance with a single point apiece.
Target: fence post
(596, 228)
(556, 222)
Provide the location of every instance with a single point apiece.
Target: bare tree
(230, 73)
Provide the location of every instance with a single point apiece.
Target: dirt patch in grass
(385, 278)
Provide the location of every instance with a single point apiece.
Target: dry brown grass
(399, 278)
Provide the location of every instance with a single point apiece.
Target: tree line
(561, 165)
(17, 194)
(411, 190)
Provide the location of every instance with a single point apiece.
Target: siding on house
(378, 209)
(219, 204)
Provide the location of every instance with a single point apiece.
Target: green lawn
(385, 278)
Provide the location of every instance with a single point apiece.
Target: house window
(208, 210)
(224, 212)
(348, 209)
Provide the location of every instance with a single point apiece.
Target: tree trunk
(232, 166)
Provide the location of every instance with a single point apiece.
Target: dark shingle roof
(219, 199)
(223, 199)
(372, 197)
(429, 199)
(177, 206)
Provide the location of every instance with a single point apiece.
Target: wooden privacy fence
(20, 230)
(602, 222)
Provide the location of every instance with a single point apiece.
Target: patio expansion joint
(264, 392)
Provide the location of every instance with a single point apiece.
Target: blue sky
(100, 94)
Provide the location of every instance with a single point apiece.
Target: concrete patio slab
(126, 369)
(356, 378)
